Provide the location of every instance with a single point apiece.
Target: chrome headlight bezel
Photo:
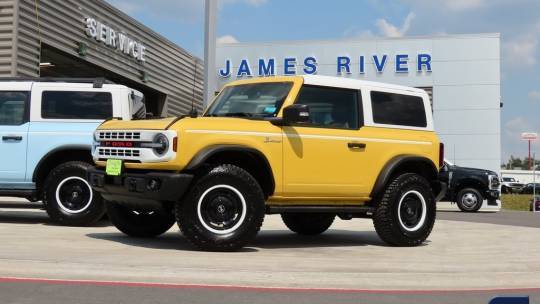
(493, 182)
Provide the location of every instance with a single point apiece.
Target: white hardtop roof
(350, 83)
(28, 83)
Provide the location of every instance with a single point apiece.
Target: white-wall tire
(242, 214)
(62, 204)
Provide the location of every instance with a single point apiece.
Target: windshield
(251, 100)
(509, 179)
(137, 105)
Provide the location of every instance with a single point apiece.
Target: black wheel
(406, 211)
(223, 211)
(140, 223)
(69, 199)
(308, 223)
(469, 200)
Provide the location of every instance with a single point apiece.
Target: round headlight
(162, 144)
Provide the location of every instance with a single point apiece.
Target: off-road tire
(74, 173)
(228, 184)
(308, 223)
(461, 197)
(142, 224)
(387, 219)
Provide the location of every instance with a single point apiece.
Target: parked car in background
(46, 130)
(510, 185)
(470, 187)
(530, 188)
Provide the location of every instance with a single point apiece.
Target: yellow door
(324, 163)
(325, 157)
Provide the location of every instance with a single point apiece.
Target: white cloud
(227, 39)
(514, 127)
(461, 5)
(248, 2)
(389, 30)
(521, 51)
(534, 96)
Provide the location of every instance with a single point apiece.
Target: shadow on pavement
(31, 213)
(265, 240)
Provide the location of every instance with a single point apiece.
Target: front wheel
(223, 211)
(469, 200)
(308, 223)
(69, 198)
(140, 223)
(406, 212)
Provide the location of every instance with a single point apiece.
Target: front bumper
(492, 197)
(140, 189)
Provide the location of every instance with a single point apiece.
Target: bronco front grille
(104, 135)
(119, 152)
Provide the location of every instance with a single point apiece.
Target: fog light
(153, 185)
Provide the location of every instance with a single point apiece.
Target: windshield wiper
(238, 114)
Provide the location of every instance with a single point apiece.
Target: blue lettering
(267, 69)
(227, 72)
(380, 63)
(424, 60)
(343, 62)
(310, 65)
(362, 65)
(401, 63)
(290, 66)
(244, 69)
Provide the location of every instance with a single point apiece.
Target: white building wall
(465, 78)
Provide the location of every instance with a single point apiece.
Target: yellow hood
(147, 124)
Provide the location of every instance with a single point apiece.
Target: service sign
(529, 136)
(115, 39)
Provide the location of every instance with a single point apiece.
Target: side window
(76, 105)
(13, 110)
(397, 109)
(331, 107)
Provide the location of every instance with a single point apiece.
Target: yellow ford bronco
(310, 148)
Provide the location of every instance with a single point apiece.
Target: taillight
(441, 155)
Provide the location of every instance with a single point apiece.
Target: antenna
(193, 112)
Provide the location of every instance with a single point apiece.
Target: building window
(331, 107)
(13, 108)
(397, 109)
(76, 105)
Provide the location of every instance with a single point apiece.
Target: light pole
(210, 83)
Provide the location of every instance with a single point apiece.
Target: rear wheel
(69, 199)
(308, 223)
(469, 200)
(406, 212)
(140, 223)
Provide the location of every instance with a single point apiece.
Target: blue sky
(518, 21)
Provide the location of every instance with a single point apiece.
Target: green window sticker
(114, 167)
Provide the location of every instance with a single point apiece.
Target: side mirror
(296, 113)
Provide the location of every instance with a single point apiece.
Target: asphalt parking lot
(349, 262)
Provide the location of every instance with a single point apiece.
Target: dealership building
(461, 73)
(91, 38)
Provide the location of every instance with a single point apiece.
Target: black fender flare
(47, 156)
(393, 164)
(205, 154)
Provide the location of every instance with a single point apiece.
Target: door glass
(331, 107)
(13, 108)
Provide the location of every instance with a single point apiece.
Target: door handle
(354, 145)
(11, 138)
